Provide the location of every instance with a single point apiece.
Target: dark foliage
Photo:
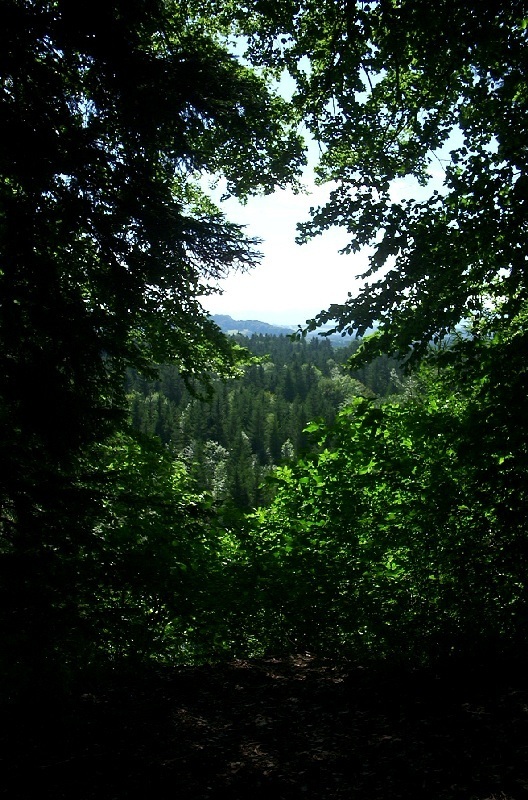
(108, 114)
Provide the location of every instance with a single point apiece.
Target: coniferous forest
(263, 566)
(232, 442)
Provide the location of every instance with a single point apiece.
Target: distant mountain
(249, 326)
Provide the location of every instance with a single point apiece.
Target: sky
(293, 282)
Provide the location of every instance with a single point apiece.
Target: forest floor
(279, 729)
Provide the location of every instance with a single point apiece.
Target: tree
(392, 91)
(110, 113)
(387, 540)
(431, 107)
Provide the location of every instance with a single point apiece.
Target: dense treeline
(403, 533)
(381, 538)
(230, 442)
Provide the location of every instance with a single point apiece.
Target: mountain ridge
(248, 326)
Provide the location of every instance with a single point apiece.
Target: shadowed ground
(278, 728)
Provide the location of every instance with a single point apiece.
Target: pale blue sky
(293, 282)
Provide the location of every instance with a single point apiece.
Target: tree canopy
(395, 90)
(111, 113)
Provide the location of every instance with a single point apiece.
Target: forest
(263, 566)
(232, 442)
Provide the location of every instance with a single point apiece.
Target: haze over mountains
(249, 326)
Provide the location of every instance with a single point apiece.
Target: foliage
(389, 541)
(146, 571)
(397, 96)
(232, 441)
(110, 114)
(402, 531)
(407, 531)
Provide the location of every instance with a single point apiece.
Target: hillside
(248, 326)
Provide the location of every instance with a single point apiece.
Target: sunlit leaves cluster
(389, 541)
